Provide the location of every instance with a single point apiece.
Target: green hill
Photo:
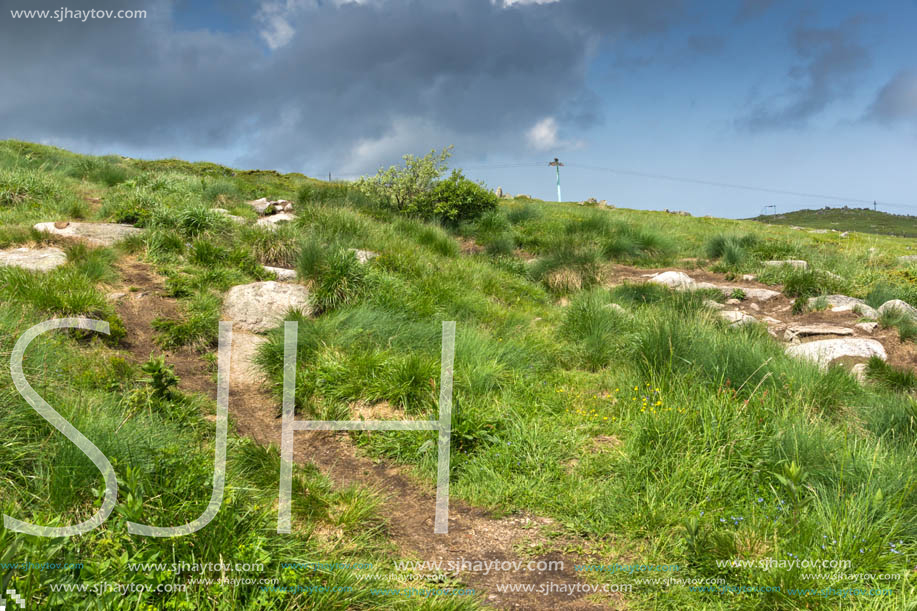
(843, 219)
(598, 418)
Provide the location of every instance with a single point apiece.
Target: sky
(650, 104)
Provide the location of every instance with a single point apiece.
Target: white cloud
(543, 135)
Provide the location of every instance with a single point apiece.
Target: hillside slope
(625, 392)
(847, 219)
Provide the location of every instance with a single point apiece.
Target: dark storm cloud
(346, 74)
(830, 58)
(897, 100)
(751, 9)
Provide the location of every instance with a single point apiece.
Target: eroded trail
(407, 506)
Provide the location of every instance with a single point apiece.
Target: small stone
(676, 280)
(733, 301)
(795, 263)
(714, 305)
(282, 273)
(749, 277)
(867, 327)
(755, 307)
(271, 222)
(736, 318)
(363, 256)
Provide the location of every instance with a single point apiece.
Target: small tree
(402, 187)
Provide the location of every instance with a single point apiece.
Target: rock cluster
(265, 206)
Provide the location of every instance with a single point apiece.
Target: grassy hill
(863, 220)
(649, 433)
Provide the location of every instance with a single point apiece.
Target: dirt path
(408, 505)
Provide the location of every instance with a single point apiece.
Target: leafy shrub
(456, 199)
(162, 377)
(401, 187)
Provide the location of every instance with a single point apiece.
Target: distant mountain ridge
(847, 219)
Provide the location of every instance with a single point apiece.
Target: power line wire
(738, 186)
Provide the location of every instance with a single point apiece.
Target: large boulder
(34, 259)
(896, 305)
(824, 352)
(843, 303)
(94, 234)
(260, 306)
(676, 280)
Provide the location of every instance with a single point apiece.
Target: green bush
(457, 199)
(402, 187)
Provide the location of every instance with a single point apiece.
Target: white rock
(826, 351)
(270, 222)
(755, 307)
(796, 263)
(714, 305)
(95, 234)
(749, 277)
(868, 327)
(232, 217)
(363, 256)
(34, 259)
(794, 331)
(262, 205)
(736, 318)
(899, 306)
(859, 372)
(260, 306)
(845, 234)
(843, 303)
(675, 280)
(733, 301)
(282, 273)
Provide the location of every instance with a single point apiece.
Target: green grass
(657, 434)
